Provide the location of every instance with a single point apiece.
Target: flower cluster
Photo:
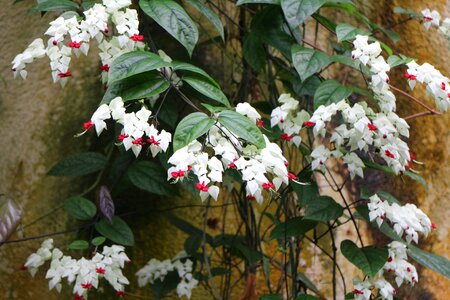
(370, 54)
(136, 131)
(398, 265)
(83, 273)
(255, 165)
(437, 84)
(362, 130)
(406, 219)
(156, 269)
(289, 119)
(70, 36)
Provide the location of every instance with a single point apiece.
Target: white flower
(354, 164)
(247, 110)
(430, 18)
(361, 289)
(320, 156)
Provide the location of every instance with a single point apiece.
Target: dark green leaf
(240, 2)
(347, 32)
(192, 243)
(209, 14)
(308, 283)
(78, 245)
(190, 128)
(271, 297)
(330, 91)
(297, 11)
(242, 127)
(79, 164)
(369, 259)
(161, 288)
(254, 52)
(55, 5)
(177, 65)
(174, 19)
(323, 209)
(308, 61)
(251, 255)
(117, 231)
(412, 13)
(150, 177)
(429, 260)
(133, 63)
(80, 208)
(189, 228)
(306, 297)
(139, 86)
(307, 87)
(327, 23)
(206, 88)
(99, 240)
(292, 227)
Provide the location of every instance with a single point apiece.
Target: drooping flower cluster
(158, 270)
(136, 132)
(370, 54)
(433, 18)
(437, 84)
(70, 36)
(290, 120)
(83, 273)
(261, 169)
(362, 130)
(406, 219)
(398, 265)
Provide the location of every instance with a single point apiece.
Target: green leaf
(209, 14)
(139, 86)
(308, 61)
(174, 19)
(190, 128)
(189, 228)
(434, 262)
(306, 297)
(308, 283)
(97, 241)
(330, 91)
(192, 243)
(271, 297)
(369, 259)
(323, 209)
(206, 88)
(347, 32)
(292, 227)
(242, 127)
(325, 22)
(297, 11)
(55, 5)
(395, 61)
(307, 87)
(177, 65)
(80, 208)
(410, 12)
(78, 245)
(133, 63)
(240, 2)
(251, 255)
(117, 231)
(254, 52)
(79, 164)
(150, 177)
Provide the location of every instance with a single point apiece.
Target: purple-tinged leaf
(10, 216)
(105, 203)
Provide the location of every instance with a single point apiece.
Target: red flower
(428, 18)
(55, 42)
(355, 291)
(122, 137)
(86, 286)
(104, 67)
(63, 75)
(286, 163)
(137, 38)
(120, 293)
(74, 45)
(372, 127)
(260, 123)
(189, 168)
(152, 141)
(268, 185)
(78, 297)
(410, 76)
(100, 270)
(309, 124)
(231, 165)
(106, 30)
(389, 259)
(250, 198)
(286, 137)
(389, 154)
(88, 125)
(138, 141)
(433, 226)
(23, 268)
(292, 176)
(177, 174)
(443, 86)
(201, 187)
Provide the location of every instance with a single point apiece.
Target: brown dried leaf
(10, 215)
(105, 203)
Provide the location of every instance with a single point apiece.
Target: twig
(432, 111)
